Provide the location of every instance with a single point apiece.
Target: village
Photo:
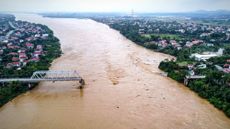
(19, 42)
(201, 51)
(181, 37)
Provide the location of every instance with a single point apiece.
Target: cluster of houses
(224, 68)
(22, 57)
(18, 43)
(203, 34)
(204, 57)
(147, 25)
(178, 45)
(164, 43)
(158, 25)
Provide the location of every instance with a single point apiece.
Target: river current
(124, 88)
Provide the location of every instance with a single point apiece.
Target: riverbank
(213, 88)
(50, 50)
(139, 98)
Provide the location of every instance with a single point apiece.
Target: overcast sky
(112, 5)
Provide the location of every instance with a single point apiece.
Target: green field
(163, 36)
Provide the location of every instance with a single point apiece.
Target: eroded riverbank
(123, 87)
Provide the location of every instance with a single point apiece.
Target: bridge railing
(53, 75)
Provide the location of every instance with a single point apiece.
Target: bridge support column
(29, 85)
(186, 81)
(82, 82)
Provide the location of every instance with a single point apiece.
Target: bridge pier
(186, 81)
(82, 82)
(188, 78)
(29, 85)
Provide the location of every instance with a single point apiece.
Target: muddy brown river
(123, 90)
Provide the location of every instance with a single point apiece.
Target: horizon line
(121, 12)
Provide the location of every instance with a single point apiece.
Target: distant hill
(195, 14)
(219, 14)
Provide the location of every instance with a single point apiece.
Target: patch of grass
(163, 36)
(146, 35)
(171, 36)
(182, 64)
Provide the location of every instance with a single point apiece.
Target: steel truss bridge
(51, 75)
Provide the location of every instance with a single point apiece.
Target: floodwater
(123, 90)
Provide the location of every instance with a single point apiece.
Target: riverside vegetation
(182, 38)
(24, 48)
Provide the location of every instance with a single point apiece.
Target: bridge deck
(38, 76)
(41, 79)
(195, 77)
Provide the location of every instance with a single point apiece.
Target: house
(202, 66)
(37, 35)
(219, 68)
(13, 64)
(29, 45)
(207, 55)
(141, 31)
(163, 43)
(225, 70)
(5, 41)
(37, 53)
(14, 59)
(39, 47)
(191, 72)
(22, 57)
(194, 42)
(173, 42)
(1, 51)
(181, 30)
(13, 47)
(209, 44)
(13, 53)
(35, 59)
(203, 57)
(45, 35)
(24, 62)
(2, 38)
(22, 50)
(188, 44)
(190, 66)
(21, 40)
(16, 64)
(226, 65)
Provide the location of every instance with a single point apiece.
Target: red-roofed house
(37, 53)
(13, 64)
(13, 53)
(15, 59)
(35, 59)
(29, 45)
(39, 47)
